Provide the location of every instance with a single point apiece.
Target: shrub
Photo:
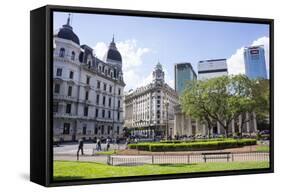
(192, 146)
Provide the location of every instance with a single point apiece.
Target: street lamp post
(167, 106)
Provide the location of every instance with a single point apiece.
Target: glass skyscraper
(254, 60)
(183, 72)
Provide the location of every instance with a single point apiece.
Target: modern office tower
(212, 68)
(150, 107)
(87, 91)
(254, 60)
(183, 73)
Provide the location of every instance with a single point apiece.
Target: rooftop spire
(113, 38)
(68, 20)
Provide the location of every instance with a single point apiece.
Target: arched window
(62, 52)
(72, 55)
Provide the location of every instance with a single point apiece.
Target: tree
(223, 99)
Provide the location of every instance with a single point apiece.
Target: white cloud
(236, 63)
(132, 60)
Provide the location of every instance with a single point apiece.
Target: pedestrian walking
(98, 144)
(127, 142)
(107, 144)
(80, 148)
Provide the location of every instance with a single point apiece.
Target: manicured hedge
(197, 140)
(193, 146)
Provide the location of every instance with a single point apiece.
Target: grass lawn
(262, 148)
(69, 170)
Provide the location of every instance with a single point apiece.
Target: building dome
(158, 66)
(112, 53)
(66, 32)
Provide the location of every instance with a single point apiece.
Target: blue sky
(144, 41)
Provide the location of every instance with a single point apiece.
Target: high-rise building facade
(150, 107)
(212, 68)
(87, 91)
(183, 73)
(254, 60)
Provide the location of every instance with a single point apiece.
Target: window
(118, 116)
(118, 103)
(118, 130)
(96, 130)
(98, 84)
(57, 88)
(84, 130)
(86, 95)
(71, 75)
(100, 68)
(89, 63)
(62, 52)
(69, 92)
(110, 89)
(68, 108)
(72, 56)
(59, 72)
(55, 107)
(119, 91)
(108, 130)
(103, 68)
(103, 100)
(158, 101)
(87, 80)
(103, 113)
(109, 102)
(102, 129)
(97, 112)
(98, 99)
(104, 86)
(66, 128)
(109, 114)
(86, 111)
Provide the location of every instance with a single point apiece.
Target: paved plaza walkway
(69, 153)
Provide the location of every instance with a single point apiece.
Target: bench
(216, 155)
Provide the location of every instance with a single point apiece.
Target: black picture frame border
(41, 155)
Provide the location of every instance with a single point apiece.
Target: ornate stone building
(87, 91)
(149, 110)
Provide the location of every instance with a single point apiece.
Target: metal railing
(132, 160)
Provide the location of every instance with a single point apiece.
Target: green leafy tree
(223, 99)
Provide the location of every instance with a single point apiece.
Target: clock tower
(158, 74)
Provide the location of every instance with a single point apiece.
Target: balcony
(64, 97)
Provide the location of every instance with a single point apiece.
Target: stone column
(255, 122)
(240, 121)
(189, 126)
(204, 130)
(219, 127)
(232, 127)
(247, 123)
(197, 128)
(183, 132)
